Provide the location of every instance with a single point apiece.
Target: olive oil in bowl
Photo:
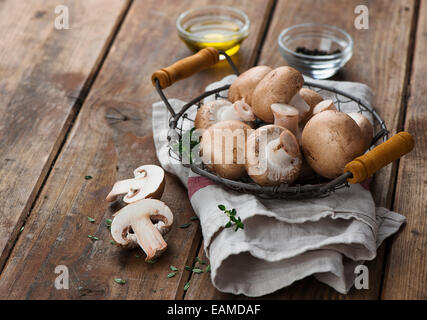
(220, 27)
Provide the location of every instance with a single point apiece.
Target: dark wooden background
(77, 102)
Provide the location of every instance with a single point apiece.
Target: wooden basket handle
(186, 67)
(366, 165)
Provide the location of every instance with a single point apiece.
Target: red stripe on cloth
(367, 183)
(197, 183)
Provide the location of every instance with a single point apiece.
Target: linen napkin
(283, 240)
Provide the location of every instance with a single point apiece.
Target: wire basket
(315, 187)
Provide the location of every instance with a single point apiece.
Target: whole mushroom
(365, 127)
(223, 148)
(280, 85)
(133, 225)
(242, 88)
(273, 156)
(330, 140)
(148, 182)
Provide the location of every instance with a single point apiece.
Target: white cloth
(283, 240)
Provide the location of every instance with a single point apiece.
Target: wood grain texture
(43, 74)
(380, 60)
(112, 136)
(406, 273)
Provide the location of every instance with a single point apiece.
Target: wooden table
(77, 102)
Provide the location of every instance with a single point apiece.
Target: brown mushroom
(278, 86)
(330, 140)
(214, 111)
(138, 217)
(149, 182)
(223, 148)
(323, 106)
(244, 85)
(273, 156)
(286, 116)
(365, 127)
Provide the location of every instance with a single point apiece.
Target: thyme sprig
(235, 221)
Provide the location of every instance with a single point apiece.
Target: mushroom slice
(139, 216)
(323, 106)
(273, 156)
(149, 182)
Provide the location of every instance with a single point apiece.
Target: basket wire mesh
(315, 187)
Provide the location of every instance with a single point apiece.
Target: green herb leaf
(88, 177)
(197, 270)
(234, 219)
(91, 220)
(199, 261)
(108, 222)
(185, 225)
(112, 242)
(22, 229)
(172, 274)
(208, 268)
(187, 285)
(120, 281)
(173, 268)
(92, 237)
(187, 268)
(137, 256)
(194, 218)
(153, 261)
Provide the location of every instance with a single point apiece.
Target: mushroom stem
(299, 103)
(243, 110)
(149, 238)
(286, 116)
(289, 143)
(323, 106)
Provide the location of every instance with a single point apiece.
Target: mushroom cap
(311, 97)
(214, 111)
(365, 127)
(330, 140)
(323, 106)
(244, 85)
(149, 182)
(139, 216)
(225, 159)
(273, 156)
(278, 86)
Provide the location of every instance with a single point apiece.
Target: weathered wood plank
(107, 149)
(43, 74)
(380, 60)
(406, 273)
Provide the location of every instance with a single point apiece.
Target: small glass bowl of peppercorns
(317, 50)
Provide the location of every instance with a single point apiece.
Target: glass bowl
(317, 50)
(221, 27)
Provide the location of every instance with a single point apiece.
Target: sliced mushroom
(149, 182)
(215, 111)
(223, 148)
(273, 156)
(365, 127)
(278, 86)
(139, 217)
(323, 106)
